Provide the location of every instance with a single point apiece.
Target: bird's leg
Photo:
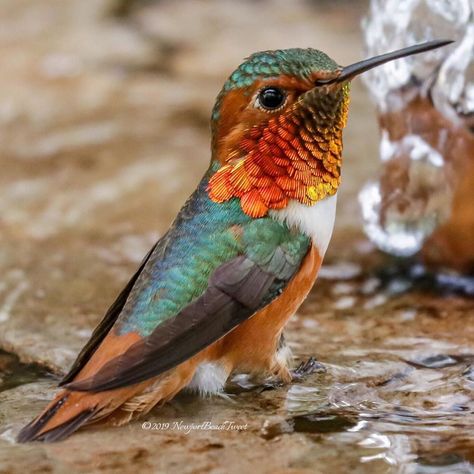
(308, 367)
(283, 375)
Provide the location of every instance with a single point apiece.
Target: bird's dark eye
(271, 98)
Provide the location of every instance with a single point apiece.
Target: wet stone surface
(103, 113)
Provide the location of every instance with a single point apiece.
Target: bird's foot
(308, 367)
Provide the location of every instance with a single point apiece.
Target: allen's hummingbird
(213, 295)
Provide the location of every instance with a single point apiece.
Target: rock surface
(104, 115)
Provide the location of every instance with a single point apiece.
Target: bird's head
(277, 127)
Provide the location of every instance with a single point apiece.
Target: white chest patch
(316, 221)
(209, 379)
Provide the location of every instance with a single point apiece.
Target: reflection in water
(396, 395)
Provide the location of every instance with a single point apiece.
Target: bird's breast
(316, 221)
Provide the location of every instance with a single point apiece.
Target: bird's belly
(209, 378)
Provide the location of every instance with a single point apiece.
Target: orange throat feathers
(294, 155)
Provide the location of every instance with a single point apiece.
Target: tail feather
(63, 431)
(37, 430)
(70, 409)
(29, 432)
(67, 413)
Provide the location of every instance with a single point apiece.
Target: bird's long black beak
(349, 72)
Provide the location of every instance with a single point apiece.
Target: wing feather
(235, 292)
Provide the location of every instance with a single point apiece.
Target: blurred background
(104, 119)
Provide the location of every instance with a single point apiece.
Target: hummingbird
(213, 295)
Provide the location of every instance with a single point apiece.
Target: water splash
(399, 220)
(453, 91)
(393, 24)
(415, 191)
(404, 229)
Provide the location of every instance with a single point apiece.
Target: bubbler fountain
(422, 202)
